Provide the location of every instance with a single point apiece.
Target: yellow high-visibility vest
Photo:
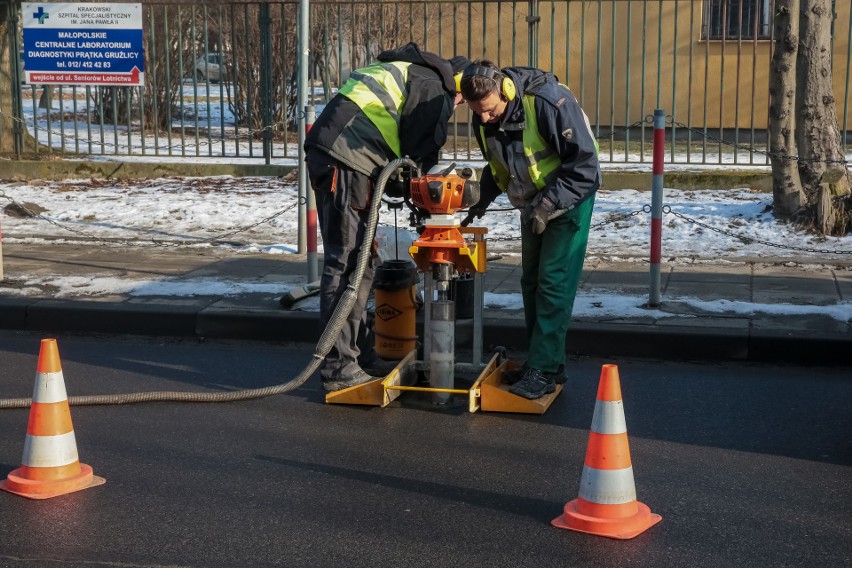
(379, 91)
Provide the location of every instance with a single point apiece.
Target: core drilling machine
(442, 255)
(445, 250)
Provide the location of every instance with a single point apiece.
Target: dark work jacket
(563, 126)
(344, 132)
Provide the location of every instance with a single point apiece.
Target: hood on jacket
(526, 79)
(411, 53)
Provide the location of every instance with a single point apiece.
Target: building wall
(625, 58)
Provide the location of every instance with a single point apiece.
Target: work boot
(516, 375)
(359, 378)
(378, 366)
(534, 384)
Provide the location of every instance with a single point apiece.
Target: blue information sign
(83, 44)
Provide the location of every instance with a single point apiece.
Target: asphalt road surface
(749, 465)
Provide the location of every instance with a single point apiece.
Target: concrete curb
(204, 319)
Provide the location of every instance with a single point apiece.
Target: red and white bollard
(657, 205)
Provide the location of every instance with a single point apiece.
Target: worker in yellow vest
(540, 151)
(398, 106)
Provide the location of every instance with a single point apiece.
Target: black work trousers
(343, 200)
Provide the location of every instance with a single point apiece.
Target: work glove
(475, 211)
(538, 213)
(487, 194)
(478, 210)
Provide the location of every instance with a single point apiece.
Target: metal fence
(221, 77)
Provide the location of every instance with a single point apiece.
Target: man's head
(487, 90)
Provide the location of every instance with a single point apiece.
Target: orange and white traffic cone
(607, 504)
(51, 466)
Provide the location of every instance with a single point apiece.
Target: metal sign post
(307, 205)
(302, 101)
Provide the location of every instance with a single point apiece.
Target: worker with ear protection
(398, 106)
(540, 151)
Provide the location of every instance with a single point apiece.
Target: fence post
(532, 30)
(17, 77)
(264, 20)
(657, 205)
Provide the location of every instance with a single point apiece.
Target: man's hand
(537, 213)
(488, 192)
(477, 210)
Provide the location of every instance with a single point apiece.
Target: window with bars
(737, 19)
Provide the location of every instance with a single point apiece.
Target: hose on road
(330, 333)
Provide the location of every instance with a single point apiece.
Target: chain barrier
(621, 217)
(218, 239)
(615, 129)
(503, 239)
(299, 201)
(42, 217)
(749, 240)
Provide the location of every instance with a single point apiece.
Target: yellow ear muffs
(507, 86)
(458, 77)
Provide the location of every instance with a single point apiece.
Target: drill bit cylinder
(443, 335)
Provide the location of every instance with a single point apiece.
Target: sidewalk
(710, 311)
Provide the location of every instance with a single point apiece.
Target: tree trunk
(8, 124)
(819, 133)
(7, 80)
(821, 165)
(787, 193)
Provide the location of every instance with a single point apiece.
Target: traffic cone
(51, 466)
(607, 504)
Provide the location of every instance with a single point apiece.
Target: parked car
(213, 67)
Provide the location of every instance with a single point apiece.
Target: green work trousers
(552, 264)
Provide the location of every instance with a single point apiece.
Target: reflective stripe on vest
(540, 160)
(379, 91)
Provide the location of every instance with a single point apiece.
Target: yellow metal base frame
(488, 393)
